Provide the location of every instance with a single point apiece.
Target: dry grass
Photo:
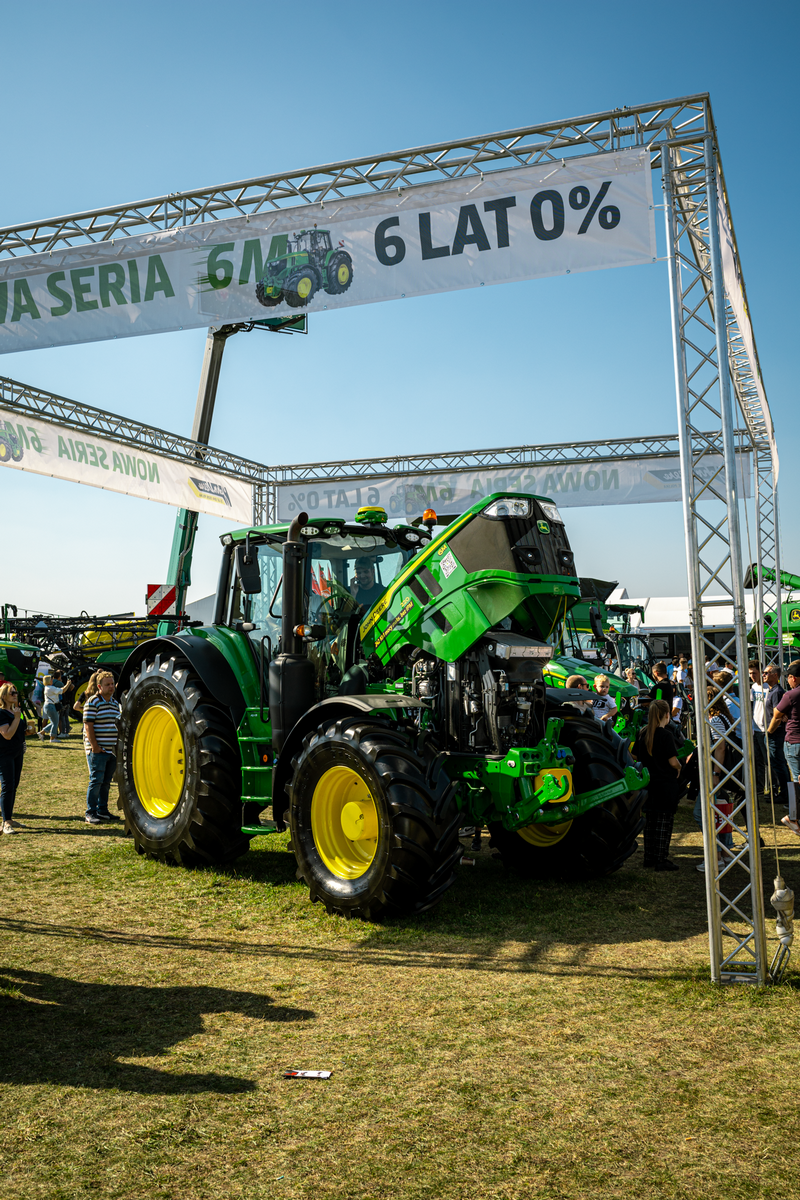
(524, 1040)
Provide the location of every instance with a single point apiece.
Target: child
(605, 706)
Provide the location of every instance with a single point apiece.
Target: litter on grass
(307, 1074)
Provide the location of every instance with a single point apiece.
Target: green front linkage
(501, 788)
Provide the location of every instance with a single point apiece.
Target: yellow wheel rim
(4, 452)
(304, 286)
(343, 274)
(344, 823)
(159, 761)
(545, 836)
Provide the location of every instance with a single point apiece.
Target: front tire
(598, 842)
(373, 820)
(179, 771)
(263, 298)
(301, 288)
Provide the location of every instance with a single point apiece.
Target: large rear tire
(339, 273)
(179, 771)
(302, 287)
(598, 842)
(373, 820)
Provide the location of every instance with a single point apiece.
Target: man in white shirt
(758, 693)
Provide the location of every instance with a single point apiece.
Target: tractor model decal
(10, 444)
(302, 264)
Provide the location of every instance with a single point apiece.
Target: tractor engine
(492, 698)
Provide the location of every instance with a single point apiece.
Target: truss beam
(643, 125)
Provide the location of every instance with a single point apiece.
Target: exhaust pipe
(291, 674)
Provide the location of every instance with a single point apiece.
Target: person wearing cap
(366, 589)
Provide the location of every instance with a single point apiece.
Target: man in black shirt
(662, 689)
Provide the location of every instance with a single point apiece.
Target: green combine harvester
(299, 266)
(379, 688)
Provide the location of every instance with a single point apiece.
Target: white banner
(581, 214)
(733, 286)
(55, 450)
(643, 481)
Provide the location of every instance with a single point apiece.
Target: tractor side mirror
(248, 570)
(596, 623)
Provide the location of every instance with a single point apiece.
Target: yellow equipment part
(545, 836)
(159, 761)
(344, 822)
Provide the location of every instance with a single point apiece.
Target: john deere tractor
(300, 265)
(379, 688)
(10, 444)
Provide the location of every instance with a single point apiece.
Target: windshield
(345, 575)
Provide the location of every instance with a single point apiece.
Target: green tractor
(11, 449)
(379, 688)
(790, 611)
(300, 265)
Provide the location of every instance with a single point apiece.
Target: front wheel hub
(344, 822)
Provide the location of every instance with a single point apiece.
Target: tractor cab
(310, 241)
(347, 569)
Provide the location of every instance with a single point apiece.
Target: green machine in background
(790, 610)
(378, 688)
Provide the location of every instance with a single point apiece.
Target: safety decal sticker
(448, 564)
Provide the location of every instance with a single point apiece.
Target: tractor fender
(331, 709)
(210, 664)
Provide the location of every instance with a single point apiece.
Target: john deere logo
(542, 526)
(794, 615)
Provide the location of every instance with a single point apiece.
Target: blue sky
(107, 105)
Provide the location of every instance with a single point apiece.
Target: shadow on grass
(73, 1033)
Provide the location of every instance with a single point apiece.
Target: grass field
(523, 1040)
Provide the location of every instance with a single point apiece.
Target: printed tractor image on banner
(556, 218)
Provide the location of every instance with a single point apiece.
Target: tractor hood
(506, 562)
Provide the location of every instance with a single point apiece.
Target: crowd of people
(100, 714)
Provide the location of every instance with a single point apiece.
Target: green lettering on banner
(153, 469)
(36, 441)
(610, 479)
(157, 279)
(477, 490)
(23, 435)
(82, 289)
(141, 469)
(133, 273)
(72, 448)
(278, 246)
(117, 461)
(591, 481)
(63, 448)
(92, 455)
(58, 293)
(23, 301)
(550, 485)
(111, 278)
(251, 258)
(130, 464)
(215, 264)
(3, 302)
(81, 452)
(103, 456)
(568, 480)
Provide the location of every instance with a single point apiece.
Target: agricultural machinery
(302, 264)
(11, 447)
(379, 688)
(790, 609)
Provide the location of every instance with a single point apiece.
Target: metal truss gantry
(715, 375)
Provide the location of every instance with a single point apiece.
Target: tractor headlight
(508, 507)
(551, 512)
